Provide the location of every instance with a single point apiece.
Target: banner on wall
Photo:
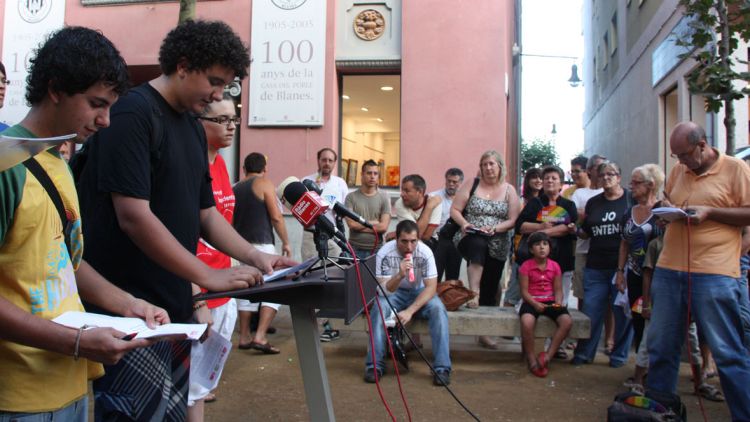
(27, 24)
(287, 73)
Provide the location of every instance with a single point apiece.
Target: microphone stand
(320, 237)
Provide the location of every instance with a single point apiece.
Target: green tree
(187, 11)
(716, 28)
(538, 153)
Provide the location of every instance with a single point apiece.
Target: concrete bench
(486, 320)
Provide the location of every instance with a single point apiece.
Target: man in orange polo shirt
(700, 260)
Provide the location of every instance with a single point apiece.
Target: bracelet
(78, 342)
(620, 270)
(199, 304)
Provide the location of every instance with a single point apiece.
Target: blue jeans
(715, 308)
(433, 311)
(745, 307)
(78, 411)
(598, 292)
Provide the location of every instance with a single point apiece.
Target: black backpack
(78, 161)
(654, 407)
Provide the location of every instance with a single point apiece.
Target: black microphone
(338, 207)
(310, 185)
(308, 208)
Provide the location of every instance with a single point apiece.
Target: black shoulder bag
(41, 175)
(450, 228)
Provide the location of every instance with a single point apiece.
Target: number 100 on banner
(287, 74)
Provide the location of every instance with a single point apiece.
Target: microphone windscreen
(293, 192)
(283, 185)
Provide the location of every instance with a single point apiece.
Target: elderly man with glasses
(700, 264)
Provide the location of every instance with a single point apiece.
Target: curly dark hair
(72, 60)
(204, 44)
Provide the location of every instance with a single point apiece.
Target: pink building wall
(453, 85)
(453, 104)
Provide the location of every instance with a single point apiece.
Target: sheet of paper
(669, 213)
(75, 319)
(14, 150)
(207, 370)
(282, 273)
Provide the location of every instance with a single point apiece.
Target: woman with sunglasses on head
(603, 216)
(638, 228)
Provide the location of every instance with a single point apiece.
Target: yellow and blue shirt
(37, 274)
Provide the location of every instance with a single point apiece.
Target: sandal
(638, 389)
(472, 304)
(267, 349)
(210, 398)
(709, 392)
(543, 360)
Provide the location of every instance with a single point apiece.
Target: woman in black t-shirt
(604, 212)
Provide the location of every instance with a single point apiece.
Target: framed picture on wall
(351, 173)
(344, 168)
(381, 172)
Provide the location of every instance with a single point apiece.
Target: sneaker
(329, 335)
(616, 363)
(441, 377)
(561, 353)
(370, 375)
(578, 361)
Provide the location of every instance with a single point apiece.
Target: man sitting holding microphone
(406, 269)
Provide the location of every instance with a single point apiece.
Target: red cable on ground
(393, 357)
(372, 342)
(369, 326)
(696, 382)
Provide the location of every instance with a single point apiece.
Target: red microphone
(308, 206)
(411, 270)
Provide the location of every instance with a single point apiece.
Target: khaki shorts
(578, 275)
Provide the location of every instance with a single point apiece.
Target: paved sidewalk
(494, 384)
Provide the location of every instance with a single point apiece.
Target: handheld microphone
(339, 208)
(308, 208)
(411, 270)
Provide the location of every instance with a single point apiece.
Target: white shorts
(224, 318)
(244, 304)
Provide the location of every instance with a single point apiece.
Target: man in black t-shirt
(146, 199)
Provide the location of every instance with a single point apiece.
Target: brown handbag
(453, 294)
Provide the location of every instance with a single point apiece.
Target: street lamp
(574, 80)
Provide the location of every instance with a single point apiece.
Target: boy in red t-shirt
(540, 280)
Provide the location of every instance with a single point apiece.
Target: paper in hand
(74, 319)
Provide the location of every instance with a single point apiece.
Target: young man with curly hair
(75, 77)
(146, 198)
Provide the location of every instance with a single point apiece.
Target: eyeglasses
(4, 81)
(637, 182)
(223, 120)
(681, 156)
(577, 171)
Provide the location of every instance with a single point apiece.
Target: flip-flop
(538, 370)
(267, 349)
(210, 398)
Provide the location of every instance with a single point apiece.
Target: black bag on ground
(631, 407)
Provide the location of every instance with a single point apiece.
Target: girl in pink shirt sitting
(540, 280)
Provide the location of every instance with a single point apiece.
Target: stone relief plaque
(369, 25)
